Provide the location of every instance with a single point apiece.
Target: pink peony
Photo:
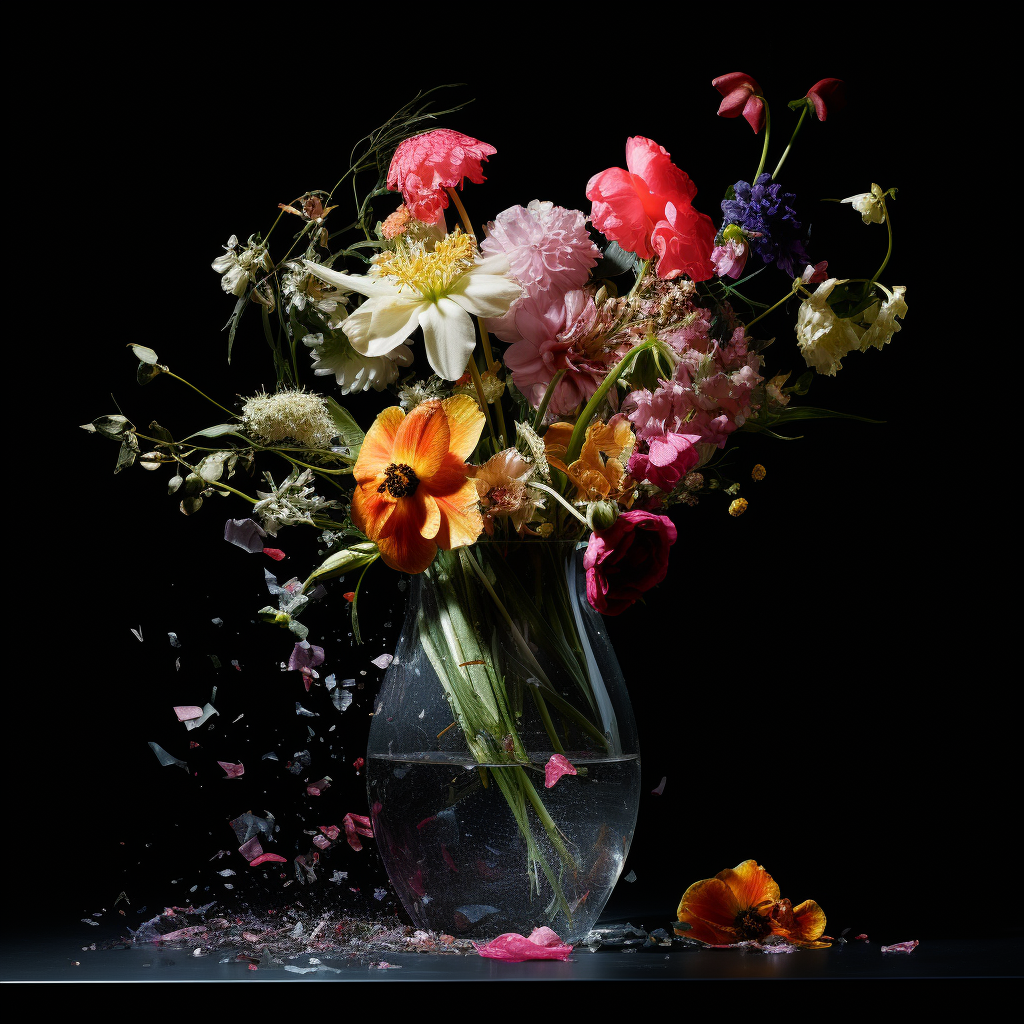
(549, 335)
(668, 459)
(730, 259)
(425, 165)
(646, 209)
(626, 560)
(548, 247)
(741, 95)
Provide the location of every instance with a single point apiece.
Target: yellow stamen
(430, 273)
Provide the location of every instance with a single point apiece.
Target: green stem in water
(778, 167)
(767, 136)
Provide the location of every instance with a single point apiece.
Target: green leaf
(161, 432)
(147, 372)
(802, 385)
(128, 453)
(220, 430)
(348, 429)
(614, 261)
(344, 561)
(112, 426)
(808, 412)
(233, 323)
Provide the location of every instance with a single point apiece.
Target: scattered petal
(188, 711)
(319, 787)
(660, 788)
(275, 553)
(383, 660)
(349, 595)
(233, 771)
(245, 534)
(901, 947)
(542, 944)
(164, 758)
(556, 767)
(357, 825)
(264, 858)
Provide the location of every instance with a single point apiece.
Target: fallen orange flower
(412, 493)
(744, 903)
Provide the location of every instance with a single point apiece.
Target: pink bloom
(629, 206)
(548, 247)
(684, 241)
(829, 93)
(626, 560)
(425, 165)
(741, 95)
(550, 335)
(815, 274)
(668, 459)
(556, 767)
(730, 259)
(542, 944)
(356, 825)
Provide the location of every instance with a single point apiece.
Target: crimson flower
(741, 95)
(828, 94)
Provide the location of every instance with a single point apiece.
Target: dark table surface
(52, 959)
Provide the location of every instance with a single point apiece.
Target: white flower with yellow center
(437, 290)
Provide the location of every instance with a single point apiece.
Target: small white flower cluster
(290, 415)
(294, 501)
(238, 267)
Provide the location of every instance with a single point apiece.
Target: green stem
(888, 224)
(775, 173)
(580, 430)
(538, 420)
(197, 391)
(478, 383)
(767, 136)
(784, 298)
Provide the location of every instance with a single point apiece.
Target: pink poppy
(425, 165)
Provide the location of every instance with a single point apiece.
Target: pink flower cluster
(550, 253)
(708, 397)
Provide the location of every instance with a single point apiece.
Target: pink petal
(515, 948)
(275, 553)
(901, 947)
(544, 936)
(263, 858)
(319, 787)
(186, 712)
(556, 767)
(331, 831)
(660, 787)
(356, 825)
(383, 660)
(251, 849)
(233, 771)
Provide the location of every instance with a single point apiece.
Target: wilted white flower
(417, 392)
(883, 320)
(294, 501)
(869, 205)
(333, 353)
(239, 267)
(823, 337)
(290, 415)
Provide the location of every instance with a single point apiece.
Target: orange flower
(743, 903)
(413, 494)
(596, 478)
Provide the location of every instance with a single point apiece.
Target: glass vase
(503, 677)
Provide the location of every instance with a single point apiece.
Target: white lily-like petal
(383, 323)
(371, 287)
(449, 338)
(485, 294)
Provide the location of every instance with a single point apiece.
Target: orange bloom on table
(413, 493)
(600, 471)
(744, 903)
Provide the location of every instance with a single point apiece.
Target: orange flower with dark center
(744, 903)
(413, 494)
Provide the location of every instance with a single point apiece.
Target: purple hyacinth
(763, 211)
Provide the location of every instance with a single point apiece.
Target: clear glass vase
(502, 663)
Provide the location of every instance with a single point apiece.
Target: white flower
(354, 372)
(883, 321)
(823, 337)
(869, 205)
(299, 288)
(239, 268)
(293, 415)
(410, 287)
(294, 501)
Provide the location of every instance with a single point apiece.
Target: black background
(801, 678)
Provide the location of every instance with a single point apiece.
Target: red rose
(626, 560)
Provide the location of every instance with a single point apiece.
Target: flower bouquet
(581, 373)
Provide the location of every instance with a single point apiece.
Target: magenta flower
(668, 459)
(741, 95)
(557, 766)
(730, 259)
(626, 560)
(425, 165)
(828, 94)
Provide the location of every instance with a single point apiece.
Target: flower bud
(601, 515)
